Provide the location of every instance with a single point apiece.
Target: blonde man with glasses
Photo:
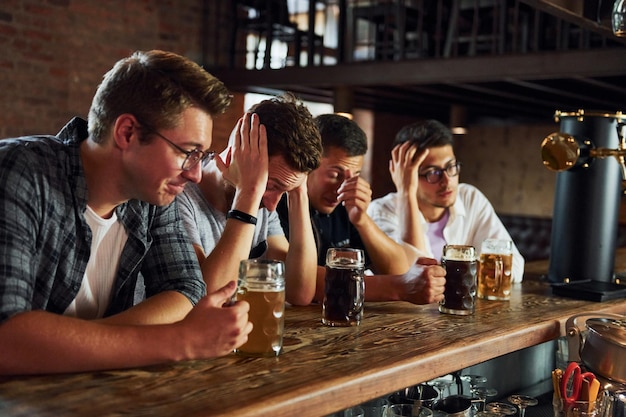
(86, 223)
(431, 208)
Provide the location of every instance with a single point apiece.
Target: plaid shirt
(45, 240)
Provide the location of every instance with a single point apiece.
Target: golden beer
(267, 314)
(262, 285)
(494, 276)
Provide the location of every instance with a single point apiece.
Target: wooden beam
(564, 10)
(552, 65)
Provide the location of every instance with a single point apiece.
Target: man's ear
(125, 130)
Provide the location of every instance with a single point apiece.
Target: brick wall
(53, 53)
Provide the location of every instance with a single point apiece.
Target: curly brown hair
(291, 131)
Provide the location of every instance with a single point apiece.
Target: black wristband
(241, 216)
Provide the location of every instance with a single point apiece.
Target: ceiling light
(344, 114)
(458, 119)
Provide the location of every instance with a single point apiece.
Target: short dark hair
(291, 131)
(425, 134)
(340, 132)
(157, 87)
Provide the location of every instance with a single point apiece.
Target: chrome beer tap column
(587, 195)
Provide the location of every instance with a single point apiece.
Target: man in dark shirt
(339, 198)
(334, 230)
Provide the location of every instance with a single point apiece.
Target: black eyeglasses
(433, 176)
(192, 158)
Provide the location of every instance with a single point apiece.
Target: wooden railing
(262, 34)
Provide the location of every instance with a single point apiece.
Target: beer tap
(562, 151)
(587, 196)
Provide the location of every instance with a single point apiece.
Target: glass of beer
(461, 266)
(344, 291)
(262, 285)
(494, 276)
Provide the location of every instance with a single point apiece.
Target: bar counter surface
(322, 369)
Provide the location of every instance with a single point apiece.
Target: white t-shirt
(472, 220)
(107, 243)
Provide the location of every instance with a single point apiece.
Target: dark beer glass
(460, 291)
(344, 290)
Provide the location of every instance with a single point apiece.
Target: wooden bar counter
(321, 370)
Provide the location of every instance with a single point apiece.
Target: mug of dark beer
(461, 266)
(344, 291)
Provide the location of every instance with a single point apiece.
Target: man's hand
(404, 165)
(212, 329)
(355, 194)
(246, 165)
(300, 190)
(426, 286)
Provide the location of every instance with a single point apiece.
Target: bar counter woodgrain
(322, 369)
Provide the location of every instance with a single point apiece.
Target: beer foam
(345, 263)
(460, 257)
(460, 253)
(497, 246)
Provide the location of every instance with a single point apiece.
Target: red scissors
(574, 373)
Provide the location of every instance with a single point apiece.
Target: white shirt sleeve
(473, 219)
(383, 212)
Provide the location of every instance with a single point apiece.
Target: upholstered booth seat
(532, 235)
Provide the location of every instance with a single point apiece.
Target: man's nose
(445, 179)
(271, 200)
(194, 174)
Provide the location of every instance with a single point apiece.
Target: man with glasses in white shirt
(431, 208)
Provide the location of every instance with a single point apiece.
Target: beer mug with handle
(460, 290)
(344, 291)
(496, 263)
(262, 285)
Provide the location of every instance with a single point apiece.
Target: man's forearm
(37, 342)
(301, 259)
(222, 264)
(388, 256)
(411, 230)
(382, 288)
(165, 307)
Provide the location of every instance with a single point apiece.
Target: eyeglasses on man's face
(192, 157)
(434, 175)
